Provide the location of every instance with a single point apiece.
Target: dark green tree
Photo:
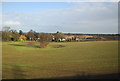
(20, 32)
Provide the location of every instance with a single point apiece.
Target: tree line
(44, 38)
(9, 34)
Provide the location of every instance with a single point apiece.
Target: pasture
(24, 61)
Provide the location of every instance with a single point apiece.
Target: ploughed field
(25, 60)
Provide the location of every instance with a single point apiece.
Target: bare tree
(44, 39)
(58, 36)
(31, 34)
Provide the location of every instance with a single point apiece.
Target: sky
(67, 17)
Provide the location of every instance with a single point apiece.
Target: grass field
(77, 58)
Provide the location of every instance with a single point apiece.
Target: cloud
(60, 0)
(11, 23)
(86, 17)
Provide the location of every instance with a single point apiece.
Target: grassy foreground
(21, 61)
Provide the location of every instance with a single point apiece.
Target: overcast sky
(77, 17)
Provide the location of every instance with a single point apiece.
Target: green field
(77, 58)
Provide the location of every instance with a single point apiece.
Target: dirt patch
(59, 46)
